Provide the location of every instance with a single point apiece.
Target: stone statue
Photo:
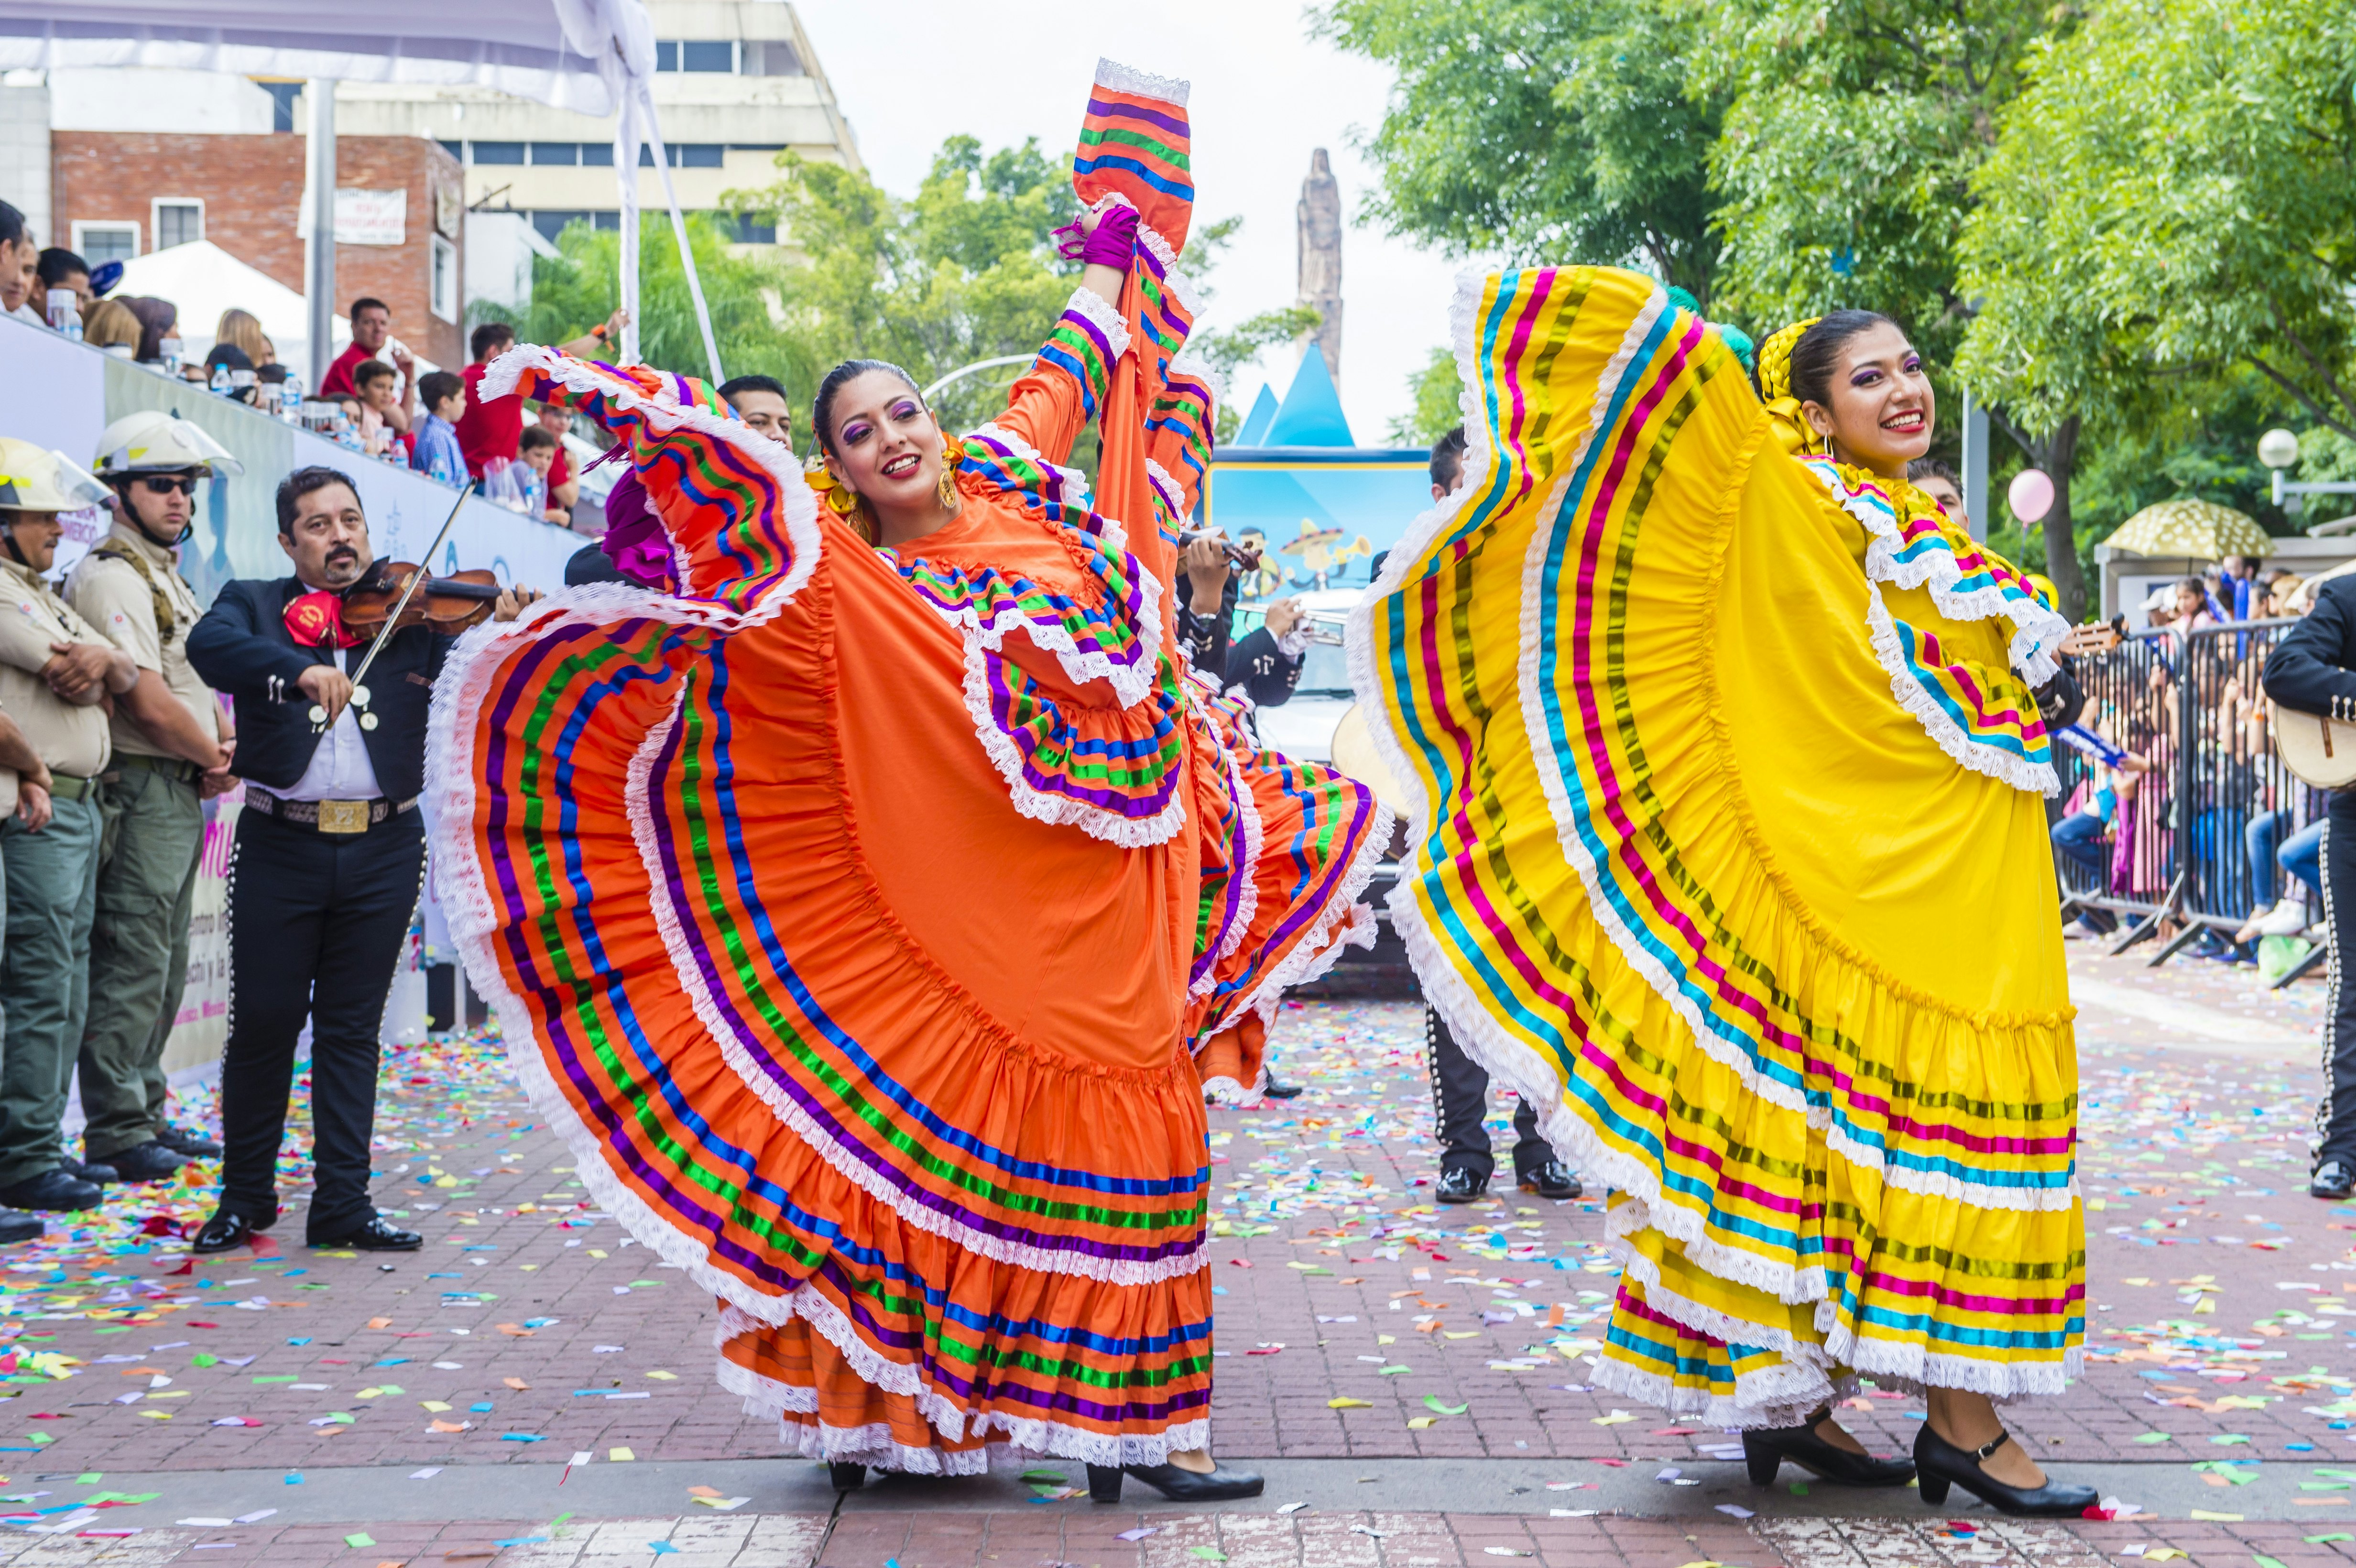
(1321, 256)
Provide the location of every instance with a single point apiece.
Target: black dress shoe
(16, 1227)
(1280, 1090)
(376, 1236)
(1940, 1464)
(222, 1232)
(150, 1161)
(97, 1172)
(1459, 1185)
(1553, 1179)
(2333, 1179)
(847, 1477)
(1176, 1483)
(1764, 1449)
(54, 1191)
(196, 1146)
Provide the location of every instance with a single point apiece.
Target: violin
(448, 605)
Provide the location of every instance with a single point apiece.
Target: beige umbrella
(2197, 530)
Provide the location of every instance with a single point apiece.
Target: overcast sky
(1265, 94)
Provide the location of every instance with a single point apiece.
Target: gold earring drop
(951, 450)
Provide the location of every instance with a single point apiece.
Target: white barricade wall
(61, 394)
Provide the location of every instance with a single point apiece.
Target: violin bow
(384, 632)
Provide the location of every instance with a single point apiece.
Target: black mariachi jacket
(242, 646)
(2310, 670)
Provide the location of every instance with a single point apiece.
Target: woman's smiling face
(1882, 410)
(885, 443)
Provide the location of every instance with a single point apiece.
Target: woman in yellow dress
(1731, 852)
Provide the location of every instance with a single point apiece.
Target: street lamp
(2278, 448)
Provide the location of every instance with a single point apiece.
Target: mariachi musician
(2313, 670)
(329, 855)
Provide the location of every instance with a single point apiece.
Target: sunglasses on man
(164, 484)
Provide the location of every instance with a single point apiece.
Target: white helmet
(153, 442)
(37, 479)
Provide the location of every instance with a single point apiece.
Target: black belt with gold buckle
(327, 816)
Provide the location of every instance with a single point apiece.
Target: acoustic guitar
(2319, 751)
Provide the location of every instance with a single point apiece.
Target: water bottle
(499, 485)
(218, 385)
(171, 350)
(289, 400)
(65, 313)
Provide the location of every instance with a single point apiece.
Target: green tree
(1851, 133)
(2168, 223)
(1552, 132)
(1438, 407)
(966, 270)
(581, 285)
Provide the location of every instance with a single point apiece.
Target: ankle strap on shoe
(2001, 1439)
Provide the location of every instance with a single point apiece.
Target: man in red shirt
(491, 429)
(372, 325)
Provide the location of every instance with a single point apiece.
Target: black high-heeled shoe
(1175, 1482)
(1940, 1464)
(846, 1477)
(1764, 1449)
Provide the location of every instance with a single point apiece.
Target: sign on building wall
(362, 217)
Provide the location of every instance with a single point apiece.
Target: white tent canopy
(514, 45)
(593, 55)
(204, 280)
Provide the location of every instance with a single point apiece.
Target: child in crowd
(536, 450)
(384, 420)
(563, 485)
(434, 450)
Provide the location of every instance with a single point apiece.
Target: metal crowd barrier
(2192, 841)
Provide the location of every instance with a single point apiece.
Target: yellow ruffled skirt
(1733, 855)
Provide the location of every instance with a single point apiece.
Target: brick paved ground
(2197, 1091)
(1073, 1538)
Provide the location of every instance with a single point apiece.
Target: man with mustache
(329, 857)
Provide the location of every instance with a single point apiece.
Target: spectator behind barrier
(383, 419)
(434, 447)
(1938, 481)
(563, 485)
(245, 330)
(760, 401)
(19, 257)
(371, 326)
(158, 319)
(536, 450)
(491, 430)
(109, 325)
(58, 267)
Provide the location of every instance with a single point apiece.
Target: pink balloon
(2030, 495)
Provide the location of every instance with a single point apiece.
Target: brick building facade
(250, 192)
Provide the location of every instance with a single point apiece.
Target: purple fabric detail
(634, 539)
(1112, 243)
(1114, 240)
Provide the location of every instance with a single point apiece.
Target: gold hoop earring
(951, 451)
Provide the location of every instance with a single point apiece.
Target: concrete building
(736, 83)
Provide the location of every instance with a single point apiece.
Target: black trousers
(316, 922)
(1460, 1103)
(2335, 1114)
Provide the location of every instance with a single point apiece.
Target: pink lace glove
(1111, 244)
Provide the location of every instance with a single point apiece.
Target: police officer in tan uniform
(171, 751)
(55, 673)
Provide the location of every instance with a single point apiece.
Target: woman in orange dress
(871, 911)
